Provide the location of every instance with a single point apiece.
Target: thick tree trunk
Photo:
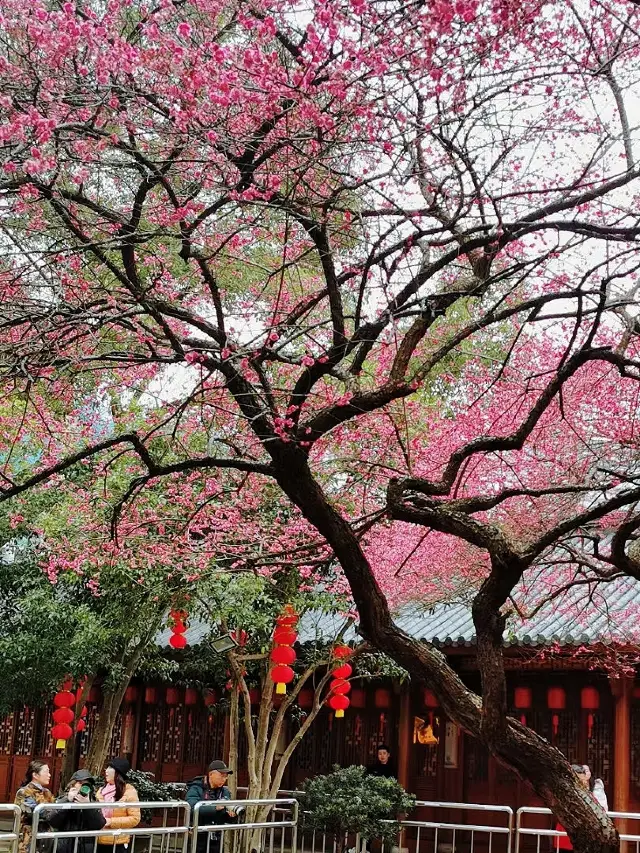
(516, 746)
(111, 702)
(99, 748)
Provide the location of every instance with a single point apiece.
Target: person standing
(384, 766)
(211, 787)
(127, 816)
(596, 786)
(81, 789)
(33, 791)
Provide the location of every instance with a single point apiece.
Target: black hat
(220, 766)
(120, 765)
(82, 776)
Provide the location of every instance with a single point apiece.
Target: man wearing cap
(211, 787)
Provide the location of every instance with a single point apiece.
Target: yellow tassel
(60, 744)
(281, 687)
(339, 713)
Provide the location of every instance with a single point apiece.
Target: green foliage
(350, 800)
(47, 634)
(150, 791)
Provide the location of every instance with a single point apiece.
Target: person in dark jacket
(81, 789)
(211, 787)
(384, 766)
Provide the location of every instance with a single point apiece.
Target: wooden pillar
(405, 741)
(622, 689)
(405, 736)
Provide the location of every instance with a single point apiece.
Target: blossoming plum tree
(377, 259)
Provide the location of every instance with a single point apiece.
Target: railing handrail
(14, 835)
(177, 806)
(464, 806)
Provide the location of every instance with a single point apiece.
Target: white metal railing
(620, 820)
(173, 837)
(276, 830)
(10, 838)
(445, 832)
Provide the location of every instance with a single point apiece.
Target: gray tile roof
(609, 614)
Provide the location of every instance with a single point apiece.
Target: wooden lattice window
(43, 743)
(6, 734)
(25, 732)
(599, 748)
(151, 735)
(172, 745)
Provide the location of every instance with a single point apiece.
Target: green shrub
(349, 800)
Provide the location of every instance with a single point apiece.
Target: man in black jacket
(211, 787)
(81, 790)
(384, 766)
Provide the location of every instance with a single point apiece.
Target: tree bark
(514, 745)
(111, 702)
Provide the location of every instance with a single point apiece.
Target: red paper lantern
(339, 685)
(84, 711)
(556, 698)
(522, 698)
(305, 699)
(63, 715)
(210, 698)
(178, 615)
(131, 695)
(341, 652)
(284, 636)
(430, 699)
(358, 697)
(68, 684)
(283, 655)
(64, 699)
(179, 628)
(281, 676)
(190, 696)
(150, 696)
(589, 699)
(80, 726)
(178, 641)
(287, 621)
(255, 696)
(339, 704)
(343, 671)
(382, 698)
(61, 731)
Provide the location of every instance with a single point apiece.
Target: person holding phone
(81, 789)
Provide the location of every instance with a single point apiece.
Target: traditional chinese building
(560, 683)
